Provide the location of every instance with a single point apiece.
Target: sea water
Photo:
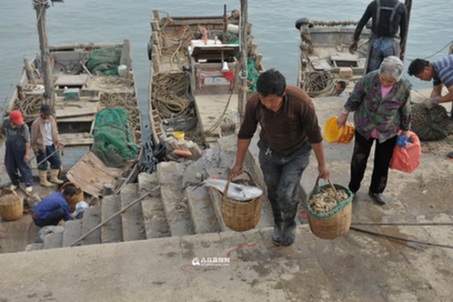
(273, 21)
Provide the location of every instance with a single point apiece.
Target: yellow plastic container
(342, 135)
(179, 135)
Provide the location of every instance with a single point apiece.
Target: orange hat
(16, 117)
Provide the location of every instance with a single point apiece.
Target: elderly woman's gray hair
(392, 65)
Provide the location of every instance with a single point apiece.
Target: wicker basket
(240, 216)
(11, 205)
(76, 198)
(335, 223)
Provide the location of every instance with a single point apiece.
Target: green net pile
(104, 61)
(112, 139)
(252, 75)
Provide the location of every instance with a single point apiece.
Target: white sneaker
(12, 187)
(29, 189)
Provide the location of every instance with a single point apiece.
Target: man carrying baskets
(289, 131)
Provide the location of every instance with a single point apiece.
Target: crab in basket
(327, 199)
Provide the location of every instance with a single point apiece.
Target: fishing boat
(95, 106)
(195, 74)
(324, 56)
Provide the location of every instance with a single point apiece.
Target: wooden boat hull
(324, 56)
(194, 86)
(79, 96)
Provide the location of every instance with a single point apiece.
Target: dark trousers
(54, 160)
(282, 174)
(14, 162)
(52, 219)
(382, 157)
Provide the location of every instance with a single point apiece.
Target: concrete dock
(402, 251)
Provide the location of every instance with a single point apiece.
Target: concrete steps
(173, 205)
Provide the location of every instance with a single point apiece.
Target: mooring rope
(399, 238)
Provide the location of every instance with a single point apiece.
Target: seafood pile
(327, 199)
(430, 124)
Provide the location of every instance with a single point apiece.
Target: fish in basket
(241, 203)
(329, 209)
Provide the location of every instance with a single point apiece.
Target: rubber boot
(43, 179)
(54, 176)
(288, 228)
(277, 232)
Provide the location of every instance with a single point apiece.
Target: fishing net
(104, 61)
(252, 75)
(112, 139)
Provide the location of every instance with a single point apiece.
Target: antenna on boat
(40, 6)
(225, 24)
(408, 4)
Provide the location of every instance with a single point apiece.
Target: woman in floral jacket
(381, 105)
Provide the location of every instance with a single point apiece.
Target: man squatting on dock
(289, 131)
(441, 72)
(54, 208)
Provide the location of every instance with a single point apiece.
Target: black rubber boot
(277, 234)
(288, 229)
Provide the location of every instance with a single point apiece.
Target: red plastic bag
(407, 158)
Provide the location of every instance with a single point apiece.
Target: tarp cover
(104, 61)
(112, 139)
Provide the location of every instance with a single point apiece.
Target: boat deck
(215, 110)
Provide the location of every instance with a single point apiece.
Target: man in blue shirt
(54, 208)
(441, 72)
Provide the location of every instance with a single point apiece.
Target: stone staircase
(173, 204)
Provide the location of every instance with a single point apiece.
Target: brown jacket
(38, 134)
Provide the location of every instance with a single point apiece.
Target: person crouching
(54, 207)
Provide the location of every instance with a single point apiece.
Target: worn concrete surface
(356, 267)
(359, 266)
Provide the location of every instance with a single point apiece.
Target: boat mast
(242, 96)
(40, 6)
(408, 4)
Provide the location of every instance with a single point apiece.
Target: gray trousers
(282, 174)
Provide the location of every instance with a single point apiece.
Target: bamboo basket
(11, 205)
(335, 223)
(76, 198)
(240, 216)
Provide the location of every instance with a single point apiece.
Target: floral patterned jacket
(387, 115)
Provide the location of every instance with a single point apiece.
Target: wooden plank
(84, 118)
(91, 174)
(210, 108)
(74, 111)
(82, 45)
(72, 139)
(71, 80)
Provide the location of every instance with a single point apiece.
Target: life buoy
(302, 21)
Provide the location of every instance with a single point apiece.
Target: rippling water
(430, 30)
